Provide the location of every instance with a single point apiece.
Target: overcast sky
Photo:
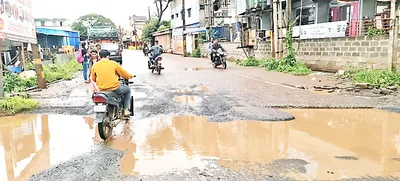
(117, 10)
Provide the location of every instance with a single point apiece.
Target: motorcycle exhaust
(116, 122)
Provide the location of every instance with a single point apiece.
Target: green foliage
(164, 25)
(152, 26)
(375, 78)
(66, 71)
(196, 53)
(52, 72)
(14, 105)
(82, 23)
(287, 65)
(13, 83)
(373, 31)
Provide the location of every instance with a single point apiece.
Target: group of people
(98, 67)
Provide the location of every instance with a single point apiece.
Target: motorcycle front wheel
(105, 131)
(159, 70)
(224, 65)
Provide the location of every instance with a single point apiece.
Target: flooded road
(318, 144)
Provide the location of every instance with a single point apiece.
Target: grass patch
(65, 71)
(14, 105)
(53, 72)
(375, 78)
(272, 64)
(196, 53)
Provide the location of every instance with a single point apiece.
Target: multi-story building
(193, 28)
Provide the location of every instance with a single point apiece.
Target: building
(55, 33)
(133, 33)
(56, 23)
(193, 28)
(164, 39)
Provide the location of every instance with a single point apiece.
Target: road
(195, 122)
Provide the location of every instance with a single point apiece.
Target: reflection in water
(319, 137)
(30, 143)
(188, 99)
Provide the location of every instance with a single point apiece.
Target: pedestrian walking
(85, 62)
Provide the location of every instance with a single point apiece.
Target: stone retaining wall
(330, 54)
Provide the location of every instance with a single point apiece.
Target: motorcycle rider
(215, 46)
(156, 51)
(105, 73)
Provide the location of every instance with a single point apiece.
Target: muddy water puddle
(32, 143)
(333, 144)
(328, 144)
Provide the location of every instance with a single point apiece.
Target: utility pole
(184, 28)
(275, 23)
(148, 9)
(280, 26)
(23, 60)
(392, 54)
(134, 29)
(1, 75)
(38, 67)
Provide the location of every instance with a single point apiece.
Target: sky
(117, 10)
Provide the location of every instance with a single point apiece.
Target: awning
(55, 32)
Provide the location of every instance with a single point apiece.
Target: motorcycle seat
(113, 97)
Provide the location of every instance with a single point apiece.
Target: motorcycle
(219, 57)
(109, 110)
(157, 65)
(145, 51)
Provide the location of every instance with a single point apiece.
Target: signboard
(322, 30)
(16, 21)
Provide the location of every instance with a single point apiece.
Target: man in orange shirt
(106, 73)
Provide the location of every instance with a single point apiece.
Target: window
(307, 15)
(61, 23)
(189, 11)
(42, 23)
(176, 15)
(172, 16)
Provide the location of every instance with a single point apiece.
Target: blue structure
(48, 37)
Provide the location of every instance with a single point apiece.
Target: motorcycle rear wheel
(105, 131)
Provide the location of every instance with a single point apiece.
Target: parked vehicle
(157, 65)
(115, 51)
(145, 51)
(109, 110)
(219, 58)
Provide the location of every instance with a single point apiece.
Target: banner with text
(322, 30)
(16, 21)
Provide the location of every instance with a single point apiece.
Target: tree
(151, 26)
(82, 23)
(161, 6)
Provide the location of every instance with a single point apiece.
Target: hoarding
(322, 30)
(16, 21)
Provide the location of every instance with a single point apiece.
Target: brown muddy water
(335, 143)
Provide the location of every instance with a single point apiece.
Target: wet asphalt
(193, 108)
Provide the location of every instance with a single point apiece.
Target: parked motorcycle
(157, 65)
(109, 110)
(146, 51)
(219, 57)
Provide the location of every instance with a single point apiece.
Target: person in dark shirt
(214, 47)
(85, 62)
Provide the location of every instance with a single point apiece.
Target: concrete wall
(329, 54)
